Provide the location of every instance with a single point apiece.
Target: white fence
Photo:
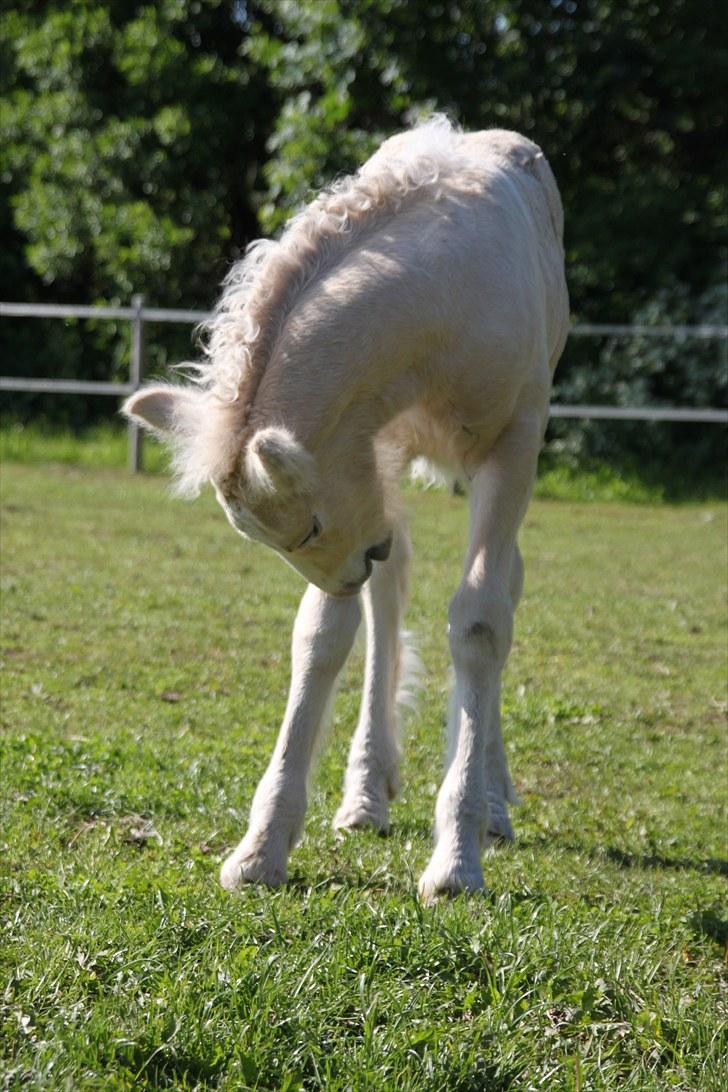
(139, 314)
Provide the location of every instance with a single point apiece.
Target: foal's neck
(334, 370)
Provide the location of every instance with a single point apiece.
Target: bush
(675, 370)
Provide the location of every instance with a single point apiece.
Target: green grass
(104, 445)
(145, 654)
(560, 477)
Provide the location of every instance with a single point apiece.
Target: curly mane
(262, 288)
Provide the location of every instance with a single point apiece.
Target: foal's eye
(312, 534)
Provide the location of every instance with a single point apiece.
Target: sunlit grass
(145, 660)
(102, 446)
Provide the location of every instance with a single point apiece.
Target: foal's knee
(480, 628)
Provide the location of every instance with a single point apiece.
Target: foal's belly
(452, 436)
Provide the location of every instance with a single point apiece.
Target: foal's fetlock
(362, 813)
(365, 805)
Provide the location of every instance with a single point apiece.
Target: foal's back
(486, 300)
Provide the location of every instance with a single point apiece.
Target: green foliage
(650, 370)
(312, 54)
(127, 133)
(132, 137)
(144, 145)
(622, 96)
(669, 371)
(145, 660)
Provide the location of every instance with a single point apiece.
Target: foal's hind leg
(323, 634)
(498, 784)
(480, 631)
(372, 775)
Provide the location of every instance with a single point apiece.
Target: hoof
(251, 868)
(362, 814)
(445, 877)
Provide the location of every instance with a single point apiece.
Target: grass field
(145, 667)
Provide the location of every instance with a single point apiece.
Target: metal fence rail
(642, 413)
(590, 329)
(138, 315)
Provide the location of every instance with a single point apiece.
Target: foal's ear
(276, 462)
(159, 407)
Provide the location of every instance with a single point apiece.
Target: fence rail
(64, 386)
(64, 310)
(591, 329)
(139, 315)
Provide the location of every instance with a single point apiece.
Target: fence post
(136, 371)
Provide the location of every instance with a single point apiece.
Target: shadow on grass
(710, 924)
(169, 1070)
(412, 828)
(712, 865)
(385, 883)
(166, 1068)
(709, 866)
(340, 880)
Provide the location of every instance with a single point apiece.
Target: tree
(145, 144)
(132, 137)
(623, 97)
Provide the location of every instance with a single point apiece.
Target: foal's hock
(416, 309)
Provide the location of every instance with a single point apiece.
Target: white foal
(418, 308)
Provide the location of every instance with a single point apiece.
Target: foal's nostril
(381, 551)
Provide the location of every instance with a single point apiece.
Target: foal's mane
(261, 289)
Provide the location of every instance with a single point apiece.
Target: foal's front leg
(372, 773)
(323, 634)
(471, 805)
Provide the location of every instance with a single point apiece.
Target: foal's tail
(410, 673)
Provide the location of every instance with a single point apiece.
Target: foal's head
(323, 511)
